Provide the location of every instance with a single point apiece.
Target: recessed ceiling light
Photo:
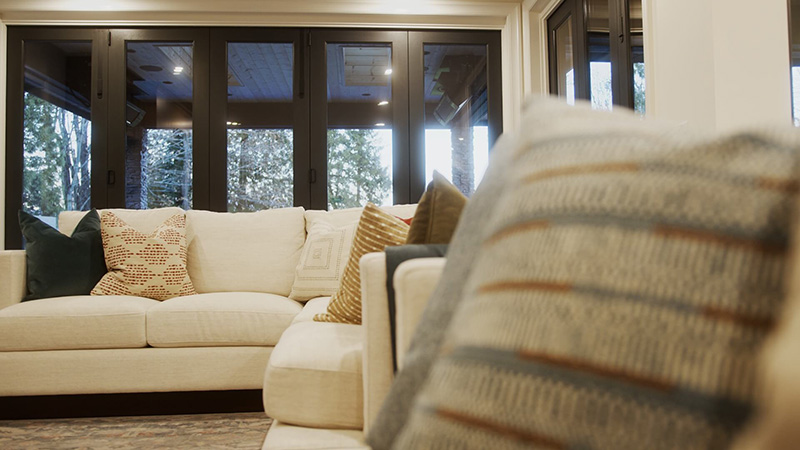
(460, 139)
(151, 68)
(388, 71)
(380, 124)
(383, 103)
(177, 70)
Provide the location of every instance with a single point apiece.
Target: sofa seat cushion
(314, 306)
(73, 323)
(313, 377)
(220, 318)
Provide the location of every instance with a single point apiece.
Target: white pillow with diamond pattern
(323, 260)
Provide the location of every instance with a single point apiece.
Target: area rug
(207, 431)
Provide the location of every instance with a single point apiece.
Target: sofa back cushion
(256, 251)
(350, 216)
(143, 220)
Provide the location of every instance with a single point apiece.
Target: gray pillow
(620, 293)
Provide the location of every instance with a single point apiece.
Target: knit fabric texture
(621, 294)
(426, 342)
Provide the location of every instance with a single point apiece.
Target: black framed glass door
(359, 116)
(567, 55)
(56, 126)
(158, 113)
(455, 106)
(259, 115)
(243, 119)
(596, 53)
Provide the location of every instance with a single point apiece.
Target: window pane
(565, 62)
(57, 127)
(158, 151)
(599, 54)
(796, 95)
(456, 113)
(359, 124)
(637, 55)
(260, 126)
(795, 48)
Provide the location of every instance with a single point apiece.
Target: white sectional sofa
(323, 383)
(242, 266)
(342, 373)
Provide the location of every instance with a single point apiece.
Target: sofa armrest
(378, 366)
(12, 277)
(414, 282)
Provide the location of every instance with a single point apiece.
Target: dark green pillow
(59, 265)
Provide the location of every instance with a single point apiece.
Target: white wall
(534, 37)
(752, 67)
(718, 64)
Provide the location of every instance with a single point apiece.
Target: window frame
(619, 46)
(15, 108)
(218, 138)
(118, 39)
(416, 69)
(318, 40)
(209, 165)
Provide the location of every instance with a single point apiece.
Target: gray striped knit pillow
(624, 291)
(376, 230)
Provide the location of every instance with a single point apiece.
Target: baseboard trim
(129, 404)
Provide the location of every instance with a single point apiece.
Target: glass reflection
(456, 113)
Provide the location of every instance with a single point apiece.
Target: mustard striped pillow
(376, 230)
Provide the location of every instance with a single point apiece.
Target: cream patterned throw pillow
(152, 266)
(376, 230)
(322, 263)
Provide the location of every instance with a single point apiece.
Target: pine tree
(260, 169)
(167, 168)
(57, 155)
(355, 174)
